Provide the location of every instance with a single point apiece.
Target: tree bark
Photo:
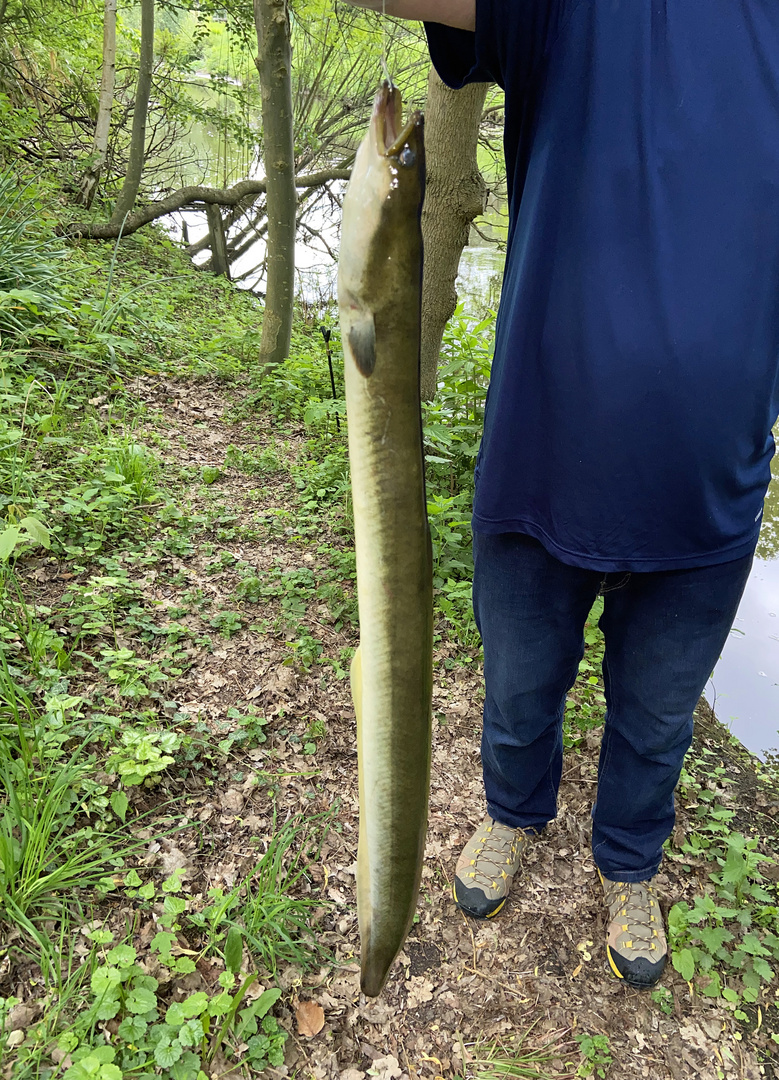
(91, 175)
(454, 196)
(274, 63)
(220, 264)
(132, 180)
(188, 196)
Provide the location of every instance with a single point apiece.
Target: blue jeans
(663, 631)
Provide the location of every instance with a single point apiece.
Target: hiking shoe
(486, 868)
(635, 943)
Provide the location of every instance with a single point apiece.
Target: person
(634, 387)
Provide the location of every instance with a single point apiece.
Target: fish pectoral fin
(362, 343)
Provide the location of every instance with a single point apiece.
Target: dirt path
(540, 964)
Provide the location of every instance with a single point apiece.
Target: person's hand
(461, 13)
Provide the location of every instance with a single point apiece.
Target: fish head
(383, 203)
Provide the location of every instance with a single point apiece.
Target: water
(744, 688)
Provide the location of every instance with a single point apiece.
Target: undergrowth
(95, 525)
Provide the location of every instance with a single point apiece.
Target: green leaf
(132, 879)
(183, 965)
(167, 1053)
(714, 937)
(141, 1001)
(105, 980)
(234, 949)
(195, 1004)
(753, 945)
(107, 1009)
(132, 1029)
(191, 1033)
(162, 942)
(763, 968)
(9, 538)
(220, 1004)
(123, 956)
(36, 531)
(119, 805)
(684, 963)
(266, 1001)
(175, 1015)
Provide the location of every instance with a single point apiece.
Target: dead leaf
(386, 1068)
(310, 1018)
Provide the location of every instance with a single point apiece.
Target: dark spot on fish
(407, 156)
(362, 342)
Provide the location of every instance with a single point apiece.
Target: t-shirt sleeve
(510, 39)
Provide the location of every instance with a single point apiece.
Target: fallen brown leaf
(310, 1018)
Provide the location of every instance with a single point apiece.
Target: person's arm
(459, 13)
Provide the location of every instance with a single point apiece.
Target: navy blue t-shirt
(636, 371)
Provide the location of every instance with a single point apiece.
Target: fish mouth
(387, 120)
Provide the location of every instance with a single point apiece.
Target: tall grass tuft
(30, 262)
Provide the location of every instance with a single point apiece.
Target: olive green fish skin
(380, 271)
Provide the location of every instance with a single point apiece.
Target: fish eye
(407, 156)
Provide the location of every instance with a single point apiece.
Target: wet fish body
(379, 290)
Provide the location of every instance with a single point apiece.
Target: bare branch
(185, 197)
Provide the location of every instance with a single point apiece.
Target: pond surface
(744, 689)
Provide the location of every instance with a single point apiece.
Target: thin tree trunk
(454, 196)
(218, 242)
(274, 64)
(91, 176)
(132, 180)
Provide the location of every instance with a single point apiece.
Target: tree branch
(184, 197)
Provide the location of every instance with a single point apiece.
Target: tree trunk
(91, 176)
(220, 264)
(454, 196)
(132, 180)
(274, 64)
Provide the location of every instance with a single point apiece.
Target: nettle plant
(727, 941)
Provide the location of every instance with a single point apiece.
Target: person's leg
(664, 633)
(530, 609)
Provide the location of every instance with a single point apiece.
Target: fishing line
(384, 68)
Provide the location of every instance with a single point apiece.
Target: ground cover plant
(178, 830)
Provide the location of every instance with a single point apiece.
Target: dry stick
(325, 332)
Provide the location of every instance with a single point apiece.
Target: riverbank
(179, 655)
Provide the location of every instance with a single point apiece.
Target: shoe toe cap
(475, 902)
(641, 973)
